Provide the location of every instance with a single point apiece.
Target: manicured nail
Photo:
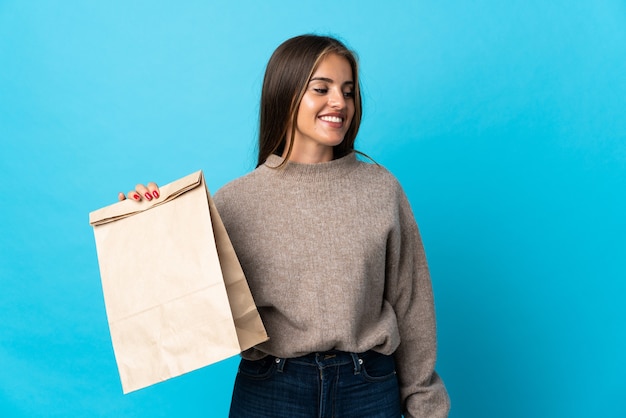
(148, 196)
(155, 194)
(136, 196)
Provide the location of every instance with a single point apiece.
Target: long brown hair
(286, 78)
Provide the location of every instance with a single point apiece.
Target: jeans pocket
(257, 369)
(378, 368)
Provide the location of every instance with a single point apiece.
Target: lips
(333, 119)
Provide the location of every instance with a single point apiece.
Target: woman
(332, 254)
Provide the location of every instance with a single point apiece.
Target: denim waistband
(328, 359)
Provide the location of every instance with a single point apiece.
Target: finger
(121, 196)
(133, 195)
(143, 191)
(154, 190)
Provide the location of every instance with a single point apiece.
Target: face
(325, 112)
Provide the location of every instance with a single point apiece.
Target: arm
(410, 292)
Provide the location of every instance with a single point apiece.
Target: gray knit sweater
(334, 260)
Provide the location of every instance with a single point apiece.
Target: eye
(348, 94)
(320, 90)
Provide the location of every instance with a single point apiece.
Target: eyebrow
(329, 80)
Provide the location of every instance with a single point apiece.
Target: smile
(334, 119)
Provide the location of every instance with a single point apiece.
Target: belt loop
(280, 364)
(357, 363)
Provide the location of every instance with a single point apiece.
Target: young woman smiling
(332, 254)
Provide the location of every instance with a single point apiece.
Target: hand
(148, 192)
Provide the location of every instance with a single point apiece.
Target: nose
(336, 99)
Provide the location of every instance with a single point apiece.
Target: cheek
(304, 111)
(351, 112)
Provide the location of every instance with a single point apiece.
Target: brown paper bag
(175, 294)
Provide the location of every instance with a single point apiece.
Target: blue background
(504, 121)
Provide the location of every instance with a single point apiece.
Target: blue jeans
(319, 385)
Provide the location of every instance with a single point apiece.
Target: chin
(334, 142)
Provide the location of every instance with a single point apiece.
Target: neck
(310, 155)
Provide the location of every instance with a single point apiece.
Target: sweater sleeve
(409, 290)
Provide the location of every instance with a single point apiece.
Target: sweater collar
(312, 172)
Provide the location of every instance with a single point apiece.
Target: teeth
(335, 119)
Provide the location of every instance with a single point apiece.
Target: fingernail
(148, 196)
(136, 196)
(155, 194)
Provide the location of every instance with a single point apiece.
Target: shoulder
(383, 188)
(238, 200)
(378, 177)
(243, 184)
(230, 195)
